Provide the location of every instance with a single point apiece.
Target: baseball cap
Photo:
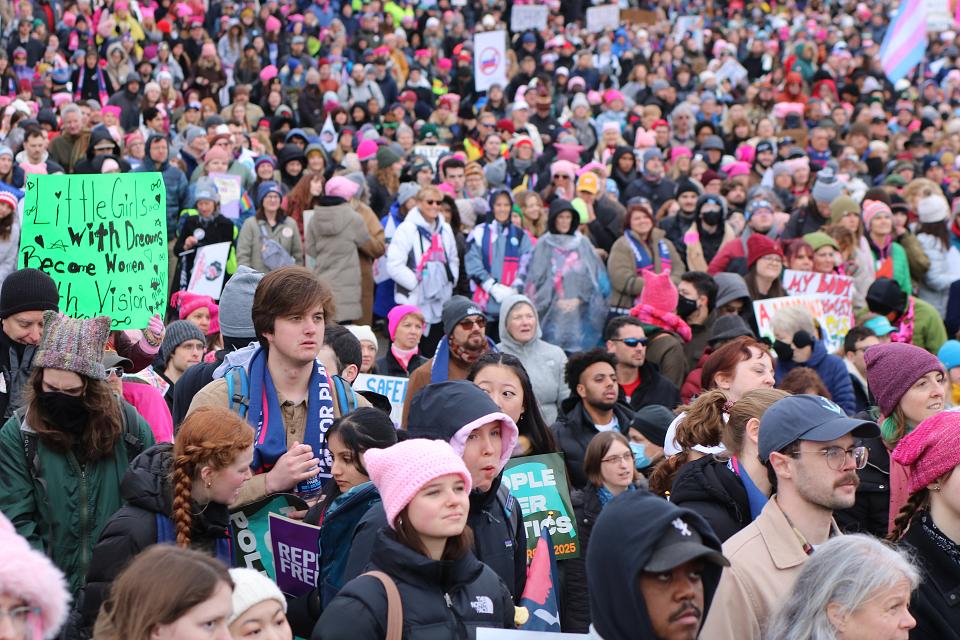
(879, 325)
(113, 359)
(680, 543)
(807, 417)
(588, 183)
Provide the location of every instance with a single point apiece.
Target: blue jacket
(831, 370)
(336, 536)
(176, 183)
(474, 259)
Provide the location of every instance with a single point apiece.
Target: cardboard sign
(251, 531)
(103, 240)
(733, 71)
(209, 269)
(603, 18)
(490, 59)
(639, 16)
(229, 189)
(692, 25)
(296, 555)
(431, 152)
(836, 300)
(525, 17)
(394, 388)
(539, 484)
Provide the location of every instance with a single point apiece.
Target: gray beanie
(236, 304)
(407, 190)
(826, 188)
(496, 173)
(357, 178)
(176, 334)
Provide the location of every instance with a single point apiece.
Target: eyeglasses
(115, 371)
(772, 259)
(469, 323)
(21, 617)
(625, 457)
(837, 456)
(631, 342)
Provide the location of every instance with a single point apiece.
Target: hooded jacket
(832, 372)
(441, 599)
(173, 178)
(129, 103)
(333, 238)
(622, 179)
(575, 430)
(654, 389)
(543, 361)
(708, 487)
(147, 494)
(498, 236)
(622, 541)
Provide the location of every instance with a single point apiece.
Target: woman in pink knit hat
(405, 324)
(666, 331)
(930, 521)
(426, 551)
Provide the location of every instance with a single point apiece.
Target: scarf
(492, 232)
(641, 256)
(755, 497)
(904, 332)
(440, 369)
(434, 253)
(606, 496)
(945, 544)
(264, 415)
(404, 356)
(663, 319)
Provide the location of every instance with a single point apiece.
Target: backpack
(236, 376)
(508, 502)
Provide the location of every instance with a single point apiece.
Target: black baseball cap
(680, 543)
(807, 417)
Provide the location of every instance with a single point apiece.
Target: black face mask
(686, 307)
(713, 218)
(784, 351)
(65, 413)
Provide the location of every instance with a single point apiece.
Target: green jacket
(929, 331)
(901, 267)
(63, 511)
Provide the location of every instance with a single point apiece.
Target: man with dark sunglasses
(641, 383)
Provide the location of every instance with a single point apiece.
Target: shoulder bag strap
(394, 606)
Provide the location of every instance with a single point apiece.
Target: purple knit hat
(893, 368)
(73, 345)
(930, 450)
(400, 471)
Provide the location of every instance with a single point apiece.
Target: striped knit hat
(73, 345)
(870, 209)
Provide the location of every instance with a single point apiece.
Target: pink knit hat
(870, 209)
(186, 303)
(398, 313)
(930, 450)
(366, 150)
(268, 73)
(32, 577)
(272, 24)
(400, 471)
(659, 292)
(340, 187)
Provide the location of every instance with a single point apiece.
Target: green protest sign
(251, 531)
(539, 484)
(103, 240)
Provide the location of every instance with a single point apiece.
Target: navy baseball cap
(807, 417)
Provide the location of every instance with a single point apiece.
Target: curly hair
(209, 437)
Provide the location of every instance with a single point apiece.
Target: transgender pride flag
(906, 40)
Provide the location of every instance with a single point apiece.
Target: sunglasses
(468, 323)
(433, 202)
(114, 371)
(633, 343)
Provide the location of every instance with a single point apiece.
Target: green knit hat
(841, 207)
(819, 239)
(73, 345)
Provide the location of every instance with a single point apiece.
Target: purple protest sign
(296, 559)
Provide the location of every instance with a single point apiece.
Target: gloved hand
(499, 292)
(152, 335)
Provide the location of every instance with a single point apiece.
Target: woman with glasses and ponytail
(175, 494)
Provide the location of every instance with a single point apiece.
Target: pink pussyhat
(398, 313)
(931, 450)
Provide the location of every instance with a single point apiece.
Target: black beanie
(685, 186)
(28, 290)
(885, 295)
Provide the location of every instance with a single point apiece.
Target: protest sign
(251, 531)
(431, 152)
(765, 310)
(732, 71)
(490, 59)
(524, 17)
(394, 388)
(103, 240)
(639, 16)
(692, 25)
(539, 484)
(229, 190)
(296, 556)
(209, 268)
(603, 17)
(836, 300)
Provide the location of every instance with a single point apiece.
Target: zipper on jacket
(457, 620)
(84, 519)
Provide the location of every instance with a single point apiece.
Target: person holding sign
(425, 552)
(199, 227)
(270, 239)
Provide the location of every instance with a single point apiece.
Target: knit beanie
(30, 576)
(933, 209)
(400, 471)
(826, 188)
(759, 245)
(266, 188)
(949, 354)
(396, 315)
(236, 303)
(74, 345)
(407, 191)
(186, 303)
(362, 332)
(340, 187)
(366, 150)
(686, 186)
(870, 209)
(885, 296)
(820, 239)
(250, 588)
(9, 198)
(177, 333)
(893, 368)
(758, 204)
(931, 449)
(387, 157)
(456, 309)
(840, 207)
(659, 292)
(28, 290)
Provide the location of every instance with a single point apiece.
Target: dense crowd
(596, 257)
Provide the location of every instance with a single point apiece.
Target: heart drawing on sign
(157, 197)
(149, 255)
(58, 194)
(30, 185)
(39, 241)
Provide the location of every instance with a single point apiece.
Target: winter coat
(665, 350)
(698, 255)
(9, 249)
(575, 603)
(174, 180)
(543, 361)
(147, 494)
(351, 93)
(625, 282)
(441, 599)
(832, 371)
(656, 192)
(901, 267)
(477, 270)
(675, 227)
(654, 388)
(16, 365)
(934, 603)
(870, 512)
(574, 431)
(389, 366)
(63, 511)
(249, 244)
(917, 258)
(929, 331)
(129, 104)
(708, 487)
(934, 287)
(372, 250)
(333, 238)
(217, 229)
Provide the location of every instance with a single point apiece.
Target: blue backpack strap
(346, 396)
(238, 403)
(166, 533)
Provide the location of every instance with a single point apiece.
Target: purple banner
(296, 560)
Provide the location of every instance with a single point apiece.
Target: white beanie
(362, 332)
(250, 588)
(933, 209)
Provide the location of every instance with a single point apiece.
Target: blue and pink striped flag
(906, 40)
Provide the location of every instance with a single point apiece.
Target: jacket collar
(782, 543)
(939, 569)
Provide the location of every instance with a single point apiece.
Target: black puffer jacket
(574, 600)
(146, 492)
(936, 603)
(707, 487)
(870, 512)
(574, 431)
(441, 600)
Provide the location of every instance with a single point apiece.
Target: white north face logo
(682, 527)
(482, 604)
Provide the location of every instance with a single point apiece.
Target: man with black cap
(464, 341)
(24, 296)
(676, 226)
(128, 100)
(812, 451)
(652, 570)
(652, 183)
(915, 320)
